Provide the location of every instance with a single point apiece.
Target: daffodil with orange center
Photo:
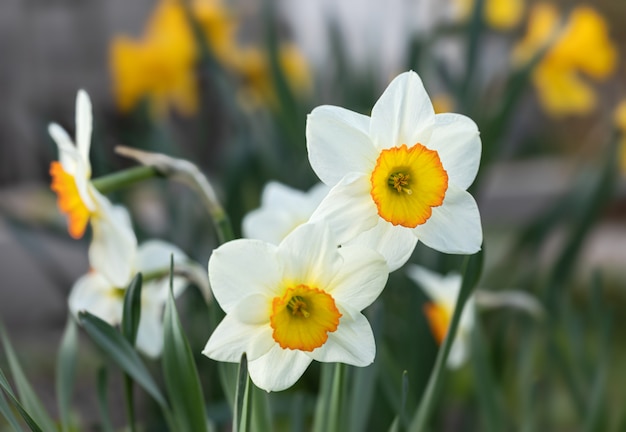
(580, 46)
(113, 241)
(289, 304)
(443, 292)
(400, 175)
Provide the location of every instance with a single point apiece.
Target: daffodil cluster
(295, 292)
(114, 255)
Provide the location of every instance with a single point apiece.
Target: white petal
(442, 290)
(394, 243)
(338, 143)
(93, 293)
(457, 141)
(150, 332)
(454, 227)
(403, 114)
(352, 343)
(348, 208)
(154, 255)
(243, 267)
(232, 338)
(68, 154)
(278, 369)
(83, 126)
(459, 352)
(113, 248)
(270, 225)
(360, 279)
(310, 254)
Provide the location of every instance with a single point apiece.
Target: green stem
(130, 408)
(127, 177)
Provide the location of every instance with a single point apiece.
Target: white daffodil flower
(113, 241)
(444, 291)
(289, 304)
(95, 294)
(282, 210)
(404, 171)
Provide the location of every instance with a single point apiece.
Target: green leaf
(32, 424)
(181, 376)
(29, 399)
(103, 404)
(261, 412)
(242, 398)
(121, 352)
(66, 371)
(471, 274)
(7, 412)
(322, 408)
(132, 309)
(331, 400)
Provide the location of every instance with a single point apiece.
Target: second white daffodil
(289, 304)
(404, 171)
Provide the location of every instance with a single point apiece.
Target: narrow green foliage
(66, 371)
(27, 395)
(261, 413)
(125, 178)
(121, 352)
(322, 409)
(471, 274)
(32, 424)
(7, 413)
(132, 309)
(181, 376)
(103, 404)
(241, 419)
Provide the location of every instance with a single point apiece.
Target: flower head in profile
(95, 293)
(403, 171)
(581, 46)
(443, 292)
(81, 202)
(283, 209)
(289, 304)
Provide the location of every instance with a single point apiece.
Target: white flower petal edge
(338, 143)
(455, 226)
(457, 142)
(150, 331)
(441, 289)
(92, 293)
(352, 343)
(279, 369)
(403, 114)
(113, 247)
(241, 268)
(84, 124)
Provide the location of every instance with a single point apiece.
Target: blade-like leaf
(28, 397)
(66, 371)
(242, 398)
(181, 376)
(121, 352)
(32, 424)
(472, 269)
(132, 309)
(7, 413)
(103, 404)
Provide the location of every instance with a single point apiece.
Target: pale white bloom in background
(443, 292)
(404, 171)
(283, 208)
(96, 294)
(114, 242)
(289, 304)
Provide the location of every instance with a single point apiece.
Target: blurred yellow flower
(581, 45)
(498, 14)
(159, 66)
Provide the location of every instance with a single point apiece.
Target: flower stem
(124, 178)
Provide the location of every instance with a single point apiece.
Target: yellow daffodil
(443, 292)
(282, 210)
(96, 294)
(581, 46)
(498, 14)
(159, 66)
(113, 240)
(289, 304)
(404, 171)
